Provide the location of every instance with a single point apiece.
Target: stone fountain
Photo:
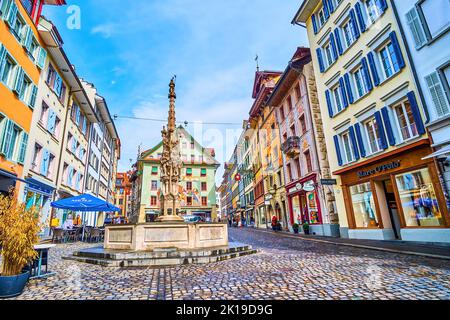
(169, 240)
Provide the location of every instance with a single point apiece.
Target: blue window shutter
(314, 23)
(373, 68)
(362, 24)
(338, 41)
(320, 59)
(330, 106)
(44, 163)
(382, 5)
(351, 131)
(388, 124)
(343, 93)
(51, 121)
(333, 46)
(416, 113)
(330, 6)
(348, 88)
(397, 50)
(366, 73)
(338, 150)
(362, 148)
(384, 144)
(354, 23)
(325, 9)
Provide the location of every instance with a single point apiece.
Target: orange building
(123, 193)
(22, 57)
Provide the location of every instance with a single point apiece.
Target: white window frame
(354, 76)
(336, 92)
(373, 125)
(351, 36)
(397, 122)
(381, 65)
(343, 148)
(368, 19)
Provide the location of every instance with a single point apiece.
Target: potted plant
(306, 228)
(19, 229)
(295, 226)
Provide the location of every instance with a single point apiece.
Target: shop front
(396, 195)
(39, 195)
(304, 204)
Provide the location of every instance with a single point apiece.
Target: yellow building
(374, 123)
(22, 59)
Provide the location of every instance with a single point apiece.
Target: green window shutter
(189, 171)
(6, 138)
(204, 172)
(33, 96)
(23, 147)
(27, 39)
(154, 169)
(40, 62)
(11, 16)
(18, 83)
(4, 8)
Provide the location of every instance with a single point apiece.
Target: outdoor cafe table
(41, 261)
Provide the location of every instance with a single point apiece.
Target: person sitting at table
(78, 221)
(68, 224)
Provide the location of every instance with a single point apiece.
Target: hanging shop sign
(309, 186)
(379, 169)
(328, 182)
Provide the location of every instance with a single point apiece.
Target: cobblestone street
(285, 268)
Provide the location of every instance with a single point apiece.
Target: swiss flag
(237, 177)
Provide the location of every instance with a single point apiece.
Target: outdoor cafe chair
(96, 235)
(59, 235)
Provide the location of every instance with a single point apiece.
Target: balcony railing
(292, 147)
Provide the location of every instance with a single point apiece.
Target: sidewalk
(425, 249)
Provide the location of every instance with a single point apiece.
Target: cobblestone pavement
(285, 268)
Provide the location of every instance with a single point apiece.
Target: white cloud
(104, 30)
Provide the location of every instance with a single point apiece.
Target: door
(393, 208)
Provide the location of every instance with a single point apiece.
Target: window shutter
(355, 25)
(382, 5)
(362, 148)
(26, 37)
(319, 58)
(373, 68)
(351, 131)
(397, 50)
(330, 6)
(330, 106)
(338, 41)
(388, 124)
(18, 83)
(437, 94)
(12, 14)
(325, 9)
(44, 163)
(343, 93)
(51, 121)
(338, 150)
(348, 88)
(314, 23)
(381, 132)
(3, 53)
(366, 73)
(415, 25)
(416, 113)
(333, 46)
(7, 135)
(40, 62)
(23, 148)
(362, 24)
(33, 97)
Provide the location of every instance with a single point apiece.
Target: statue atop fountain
(171, 165)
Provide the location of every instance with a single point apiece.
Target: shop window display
(418, 199)
(296, 209)
(364, 206)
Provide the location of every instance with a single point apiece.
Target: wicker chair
(96, 235)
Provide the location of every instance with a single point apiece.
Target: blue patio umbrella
(85, 203)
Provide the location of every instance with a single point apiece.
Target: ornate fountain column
(171, 165)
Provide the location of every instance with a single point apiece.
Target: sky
(131, 49)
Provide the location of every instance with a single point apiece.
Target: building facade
(304, 151)
(374, 123)
(427, 37)
(123, 193)
(197, 187)
(22, 60)
(269, 180)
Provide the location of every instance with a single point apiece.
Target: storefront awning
(39, 187)
(443, 152)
